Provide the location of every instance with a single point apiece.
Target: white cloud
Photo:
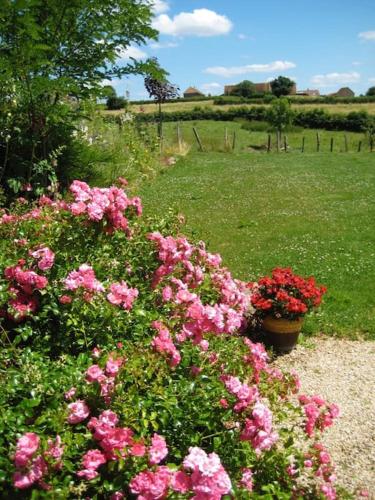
(241, 36)
(367, 35)
(159, 6)
(200, 22)
(357, 63)
(134, 52)
(372, 80)
(332, 79)
(228, 72)
(211, 88)
(163, 45)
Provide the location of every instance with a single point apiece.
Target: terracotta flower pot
(282, 334)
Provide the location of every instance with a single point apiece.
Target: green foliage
(280, 114)
(371, 92)
(267, 98)
(281, 86)
(108, 91)
(244, 89)
(356, 121)
(118, 148)
(51, 60)
(115, 102)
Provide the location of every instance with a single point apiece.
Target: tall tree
(371, 91)
(281, 86)
(53, 51)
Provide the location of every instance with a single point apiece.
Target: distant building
(228, 89)
(260, 88)
(309, 92)
(343, 92)
(193, 92)
(263, 87)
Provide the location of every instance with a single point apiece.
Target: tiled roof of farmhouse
(192, 90)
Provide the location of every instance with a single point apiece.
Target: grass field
(314, 212)
(186, 106)
(212, 135)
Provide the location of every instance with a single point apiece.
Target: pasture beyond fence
(278, 142)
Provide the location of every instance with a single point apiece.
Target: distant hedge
(177, 99)
(356, 121)
(266, 98)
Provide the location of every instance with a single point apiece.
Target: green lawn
(313, 212)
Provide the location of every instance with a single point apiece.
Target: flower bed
(124, 372)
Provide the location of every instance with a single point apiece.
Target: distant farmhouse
(260, 88)
(343, 92)
(309, 92)
(193, 92)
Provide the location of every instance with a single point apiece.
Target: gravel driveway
(343, 372)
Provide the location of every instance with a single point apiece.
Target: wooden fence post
(346, 143)
(226, 138)
(303, 145)
(269, 143)
(234, 141)
(198, 139)
(179, 138)
(331, 144)
(359, 146)
(317, 142)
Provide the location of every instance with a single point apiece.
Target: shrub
(124, 372)
(116, 102)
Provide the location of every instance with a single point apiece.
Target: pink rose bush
(31, 464)
(103, 204)
(125, 369)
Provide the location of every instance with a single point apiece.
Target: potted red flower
(281, 302)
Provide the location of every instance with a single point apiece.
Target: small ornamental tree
(281, 86)
(280, 114)
(160, 90)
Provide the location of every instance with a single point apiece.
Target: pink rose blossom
(70, 393)
(247, 479)
(45, 258)
(118, 495)
(113, 366)
(121, 295)
(94, 373)
(158, 449)
(65, 299)
(78, 411)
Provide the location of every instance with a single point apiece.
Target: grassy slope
(314, 212)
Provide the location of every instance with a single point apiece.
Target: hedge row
(177, 99)
(315, 118)
(266, 98)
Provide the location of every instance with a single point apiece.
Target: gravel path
(343, 372)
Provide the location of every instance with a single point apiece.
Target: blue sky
(325, 44)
